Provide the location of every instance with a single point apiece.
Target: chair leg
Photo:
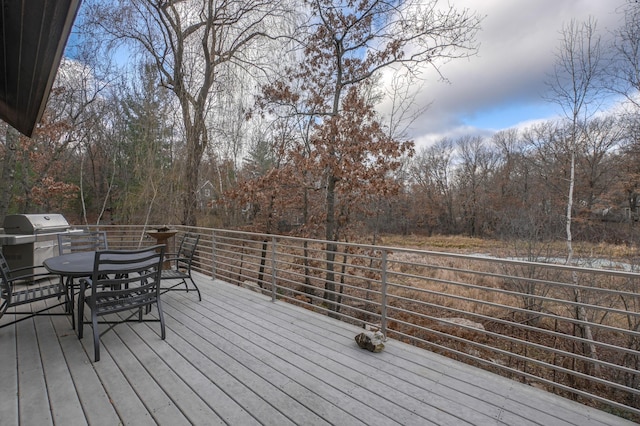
(161, 317)
(3, 308)
(70, 309)
(197, 289)
(62, 283)
(80, 314)
(96, 337)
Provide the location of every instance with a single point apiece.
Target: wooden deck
(237, 358)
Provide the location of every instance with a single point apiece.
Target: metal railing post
(383, 291)
(213, 254)
(273, 269)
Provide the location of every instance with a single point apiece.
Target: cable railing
(573, 331)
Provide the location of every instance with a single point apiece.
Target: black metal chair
(17, 289)
(181, 265)
(122, 280)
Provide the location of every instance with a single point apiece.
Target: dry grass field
(469, 245)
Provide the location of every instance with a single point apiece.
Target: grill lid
(34, 223)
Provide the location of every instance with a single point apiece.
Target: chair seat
(123, 302)
(173, 274)
(37, 293)
(24, 289)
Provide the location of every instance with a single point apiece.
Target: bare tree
(46, 181)
(625, 69)
(625, 80)
(190, 42)
(432, 175)
(576, 86)
(596, 168)
(473, 181)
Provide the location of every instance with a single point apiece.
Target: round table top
(80, 264)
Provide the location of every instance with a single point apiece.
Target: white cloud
(518, 43)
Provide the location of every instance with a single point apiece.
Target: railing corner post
(383, 291)
(273, 269)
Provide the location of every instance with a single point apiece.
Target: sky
(503, 86)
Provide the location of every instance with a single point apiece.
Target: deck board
(90, 394)
(250, 367)
(32, 390)
(65, 407)
(238, 358)
(8, 376)
(405, 380)
(307, 357)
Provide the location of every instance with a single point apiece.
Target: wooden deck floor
(237, 358)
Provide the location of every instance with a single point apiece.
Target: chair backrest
(83, 241)
(126, 279)
(187, 250)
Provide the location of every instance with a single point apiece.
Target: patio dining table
(80, 264)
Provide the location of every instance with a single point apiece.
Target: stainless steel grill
(29, 239)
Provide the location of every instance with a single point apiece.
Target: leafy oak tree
(347, 46)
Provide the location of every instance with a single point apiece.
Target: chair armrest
(31, 277)
(170, 259)
(24, 268)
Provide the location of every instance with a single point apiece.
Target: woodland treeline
(275, 127)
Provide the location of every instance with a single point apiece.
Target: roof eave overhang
(34, 35)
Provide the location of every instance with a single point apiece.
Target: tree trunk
(581, 313)
(189, 194)
(196, 142)
(332, 247)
